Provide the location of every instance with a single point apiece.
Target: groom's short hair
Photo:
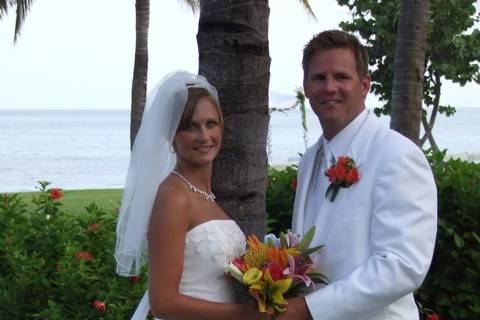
(334, 39)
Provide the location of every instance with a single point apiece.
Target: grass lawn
(74, 201)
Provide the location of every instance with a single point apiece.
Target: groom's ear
(366, 82)
(306, 89)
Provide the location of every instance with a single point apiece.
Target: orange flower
(343, 161)
(55, 194)
(84, 255)
(352, 176)
(332, 174)
(93, 227)
(253, 241)
(341, 172)
(278, 256)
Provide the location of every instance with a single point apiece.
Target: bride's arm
(166, 240)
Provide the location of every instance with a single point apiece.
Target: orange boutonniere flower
(341, 174)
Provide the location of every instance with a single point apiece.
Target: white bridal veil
(151, 161)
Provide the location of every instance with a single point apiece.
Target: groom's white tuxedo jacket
(379, 234)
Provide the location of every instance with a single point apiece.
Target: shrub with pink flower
(99, 306)
(56, 193)
(84, 255)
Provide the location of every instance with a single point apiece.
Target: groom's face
(335, 89)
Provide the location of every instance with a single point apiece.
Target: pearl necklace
(208, 196)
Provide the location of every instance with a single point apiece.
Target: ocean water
(82, 149)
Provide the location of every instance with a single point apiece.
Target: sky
(80, 54)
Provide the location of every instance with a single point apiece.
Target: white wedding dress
(209, 247)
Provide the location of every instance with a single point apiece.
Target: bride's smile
(198, 140)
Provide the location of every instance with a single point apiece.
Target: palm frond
(4, 7)
(193, 4)
(22, 8)
(307, 6)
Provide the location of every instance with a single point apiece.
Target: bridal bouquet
(275, 270)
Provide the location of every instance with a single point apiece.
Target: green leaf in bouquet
(309, 251)
(306, 240)
(283, 240)
(318, 277)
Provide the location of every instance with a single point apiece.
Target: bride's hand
(297, 309)
(251, 313)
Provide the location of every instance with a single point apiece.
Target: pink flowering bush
(55, 265)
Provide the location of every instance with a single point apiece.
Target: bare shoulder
(171, 208)
(171, 194)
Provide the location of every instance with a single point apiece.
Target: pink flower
(84, 255)
(299, 273)
(240, 264)
(293, 184)
(134, 279)
(433, 316)
(275, 271)
(99, 306)
(93, 227)
(55, 194)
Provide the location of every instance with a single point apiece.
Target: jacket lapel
(306, 179)
(328, 209)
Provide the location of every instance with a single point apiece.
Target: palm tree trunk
(409, 68)
(140, 69)
(234, 56)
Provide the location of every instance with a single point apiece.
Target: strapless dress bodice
(209, 247)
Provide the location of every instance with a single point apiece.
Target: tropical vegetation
(452, 52)
(59, 265)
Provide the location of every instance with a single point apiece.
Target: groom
(378, 231)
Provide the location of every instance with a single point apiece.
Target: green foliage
(452, 53)
(54, 265)
(452, 286)
(280, 195)
(75, 201)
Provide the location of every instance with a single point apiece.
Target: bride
(168, 204)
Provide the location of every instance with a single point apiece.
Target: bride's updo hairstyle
(195, 93)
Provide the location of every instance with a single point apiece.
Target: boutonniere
(341, 174)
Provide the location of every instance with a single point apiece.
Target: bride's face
(199, 141)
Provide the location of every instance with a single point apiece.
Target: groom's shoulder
(393, 143)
